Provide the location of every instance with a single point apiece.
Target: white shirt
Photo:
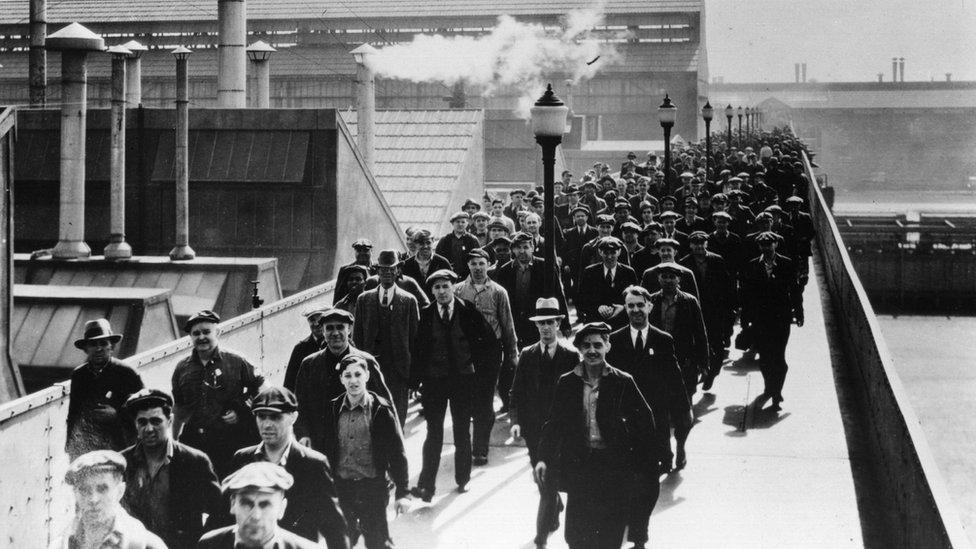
(642, 332)
(612, 273)
(386, 294)
(548, 349)
(450, 310)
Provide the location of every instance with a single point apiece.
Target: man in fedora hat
(386, 324)
(211, 388)
(389, 261)
(539, 367)
(99, 389)
(314, 342)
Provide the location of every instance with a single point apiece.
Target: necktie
(545, 353)
(386, 298)
(445, 314)
(639, 345)
(609, 278)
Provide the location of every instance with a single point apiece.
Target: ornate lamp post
(728, 116)
(748, 121)
(738, 113)
(707, 113)
(182, 249)
(666, 114)
(548, 124)
(259, 53)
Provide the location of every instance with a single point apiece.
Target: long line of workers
(658, 276)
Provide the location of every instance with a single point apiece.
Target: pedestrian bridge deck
(754, 478)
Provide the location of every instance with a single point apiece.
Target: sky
(849, 41)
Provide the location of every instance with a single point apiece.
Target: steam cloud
(513, 55)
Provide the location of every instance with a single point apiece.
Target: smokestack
(133, 73)
(901, 68)
(796, 72)
(894, 69)
(74, 42)
(259, 53)
(948, 77)
(803, 70)
(37, 61)
(117, 247)
(231, 58)
(182, 250)
(365, 102)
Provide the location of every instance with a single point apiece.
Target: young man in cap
(590, 255)
(211, 388)
(603, 284)
(99, 388)
(364, 257)
(356, 278)
(318, 380)
(314, 342)
(679, 314)
(385, 327)
(803, 234)
(170, 486)
(539, 367)
(492, 302)
(564, 210)
(629, 233)
(667, 252)
(575, 239)
(500, 251)
(424, 262)
(600, 438)
(456, 244)
(590, 198)
(479, 227)
(668, 222)
(647, 256)
(100, 521)
(257, 501)
(313, 504)
(453, 342)
(365, 445)
(516, 197)
(647, 354)
(691, 222)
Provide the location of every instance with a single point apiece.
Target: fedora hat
(387, 258)
(98, 329)
(546, 308)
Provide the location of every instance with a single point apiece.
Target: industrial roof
(419, 159)
(14, 12)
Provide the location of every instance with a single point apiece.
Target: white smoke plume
(512, 55)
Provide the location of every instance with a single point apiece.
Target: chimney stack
(803, 70)
(133, 73)
(74, 42)
(231, 56)
(365, 102)
(901, 68)
(796, 72)
(181, 151)
(37, 58)
(260, 53)
(117, 247)
(894, 69)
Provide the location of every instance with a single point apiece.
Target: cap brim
(272, 409)
(545, 317)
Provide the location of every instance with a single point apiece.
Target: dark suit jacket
(716, 287)
(406, 283)
(804, 233)
(88, 392)
(535, 384)
(193, 491)
(772, 299)
(690, 338)
(730, 248)
(445, 248)
(594, 292)
(302, 349)
(654, 369)
(626, 425)
(686, 282)
(525, 328)
(313, 504)
(223, 538)
(644, 260)
(481, 337)
(572, 250)
(411, 268)
(404, 315)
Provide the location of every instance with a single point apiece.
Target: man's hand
(539, 473)
(104, 413)
(305, 441)
(516, 431)
(229, 417)
(605, 311)
(401, 505)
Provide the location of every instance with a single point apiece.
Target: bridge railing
(923, 514)
(34, 502)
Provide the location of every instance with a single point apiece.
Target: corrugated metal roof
(130, 11)
(419, 159)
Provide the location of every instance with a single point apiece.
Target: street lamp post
(728, 116)
(748, 121)
(707, 113)
(738, 112)
(666, 114)
(548, 124)
(182, 249)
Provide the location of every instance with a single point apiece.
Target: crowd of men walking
(658, 275)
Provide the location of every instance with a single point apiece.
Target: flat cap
(442, 274)
(459, 215)
(538, 200)
(590, 184)
(476, 254)
(499, 241)
(520, 237)
(666, 242)
(742, 175)
(498, 224)
(630, 226)
(338, 314)
(724, 172)
(275, 399)
(773, 209)
(261, 476)
(670, 215)
(768, 236)
(514, 192)
(480, 215)
(421, 236)
(571, 189)
(735, 180)
(98, 461)
(764, 215)
(668, 197)
(688, 175)
(698, 236)
(652, 226)
(666, 268)
(719, 197)
(362, 243)
(580, 208)
(605, 219)
(312, 313)
(721, 215)
(591, 328)
(148, 398)
(470, 202)
(794, 200)
(356, 268)
(205, 315)
(609, 243)
(621, 204)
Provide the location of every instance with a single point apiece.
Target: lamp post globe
(666, 114)
(548, 118)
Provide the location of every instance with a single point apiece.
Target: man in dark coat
(539, 367)
(99, 389)
(604, 283)
(169, 486)
(452, 340)
(424, 262)
(678, 313)
(647, 354)
(313, 504)
(803, 233)
(574, 239)
(667, 250)
(456, 244)
(364, 257)
(598, 442)
(314, 342)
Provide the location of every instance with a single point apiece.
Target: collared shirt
(148, 496)
(386, 295)
(205, 391)
(450, 310)
(609, 272)
(355, 441)
(591, 396)
(262, 453)
(550, 349)
(491, 300)
(124, 531)
(643, 333)
(769, 264)
(669, 310)
(273, 543)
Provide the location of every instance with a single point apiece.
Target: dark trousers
(715, 332)
(771, 340)
(644, 495)
(400, 391)
(483, 405)
(364, 503)
(550, 504)
(596, 507)
(220, 444)
(458, 389)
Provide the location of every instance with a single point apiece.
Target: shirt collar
(272, 543)
(365, 404)
(612, 271)
(580, 370)
(169, 451)
(643, 332)
(115, 536)
(259, 451)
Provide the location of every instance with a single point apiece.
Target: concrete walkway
(754, 478)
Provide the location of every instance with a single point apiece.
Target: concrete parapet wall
(919, 505)
(35, 504)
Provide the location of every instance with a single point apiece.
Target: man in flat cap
(679, 314)
(385, 327)
(313, 504)
(590, 254)
(456, 244)
(257, 501)
(600, 438)
(574, 239)
(100, 521)
(453, 342)
(99, 388)
(630, 237)
(691, 221)
(516, 205)
(169, 486)
(356, 277)
(318, 380)
(564, 211)
(314, 342)
(424, 262)
(539, 367)
(667, 252)
(603, 284)
(500, 250)
(479, 227)
(803, 235)
(590, 198)
(211, 390)
(492, 302)
(364, 256)
(668, 222)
